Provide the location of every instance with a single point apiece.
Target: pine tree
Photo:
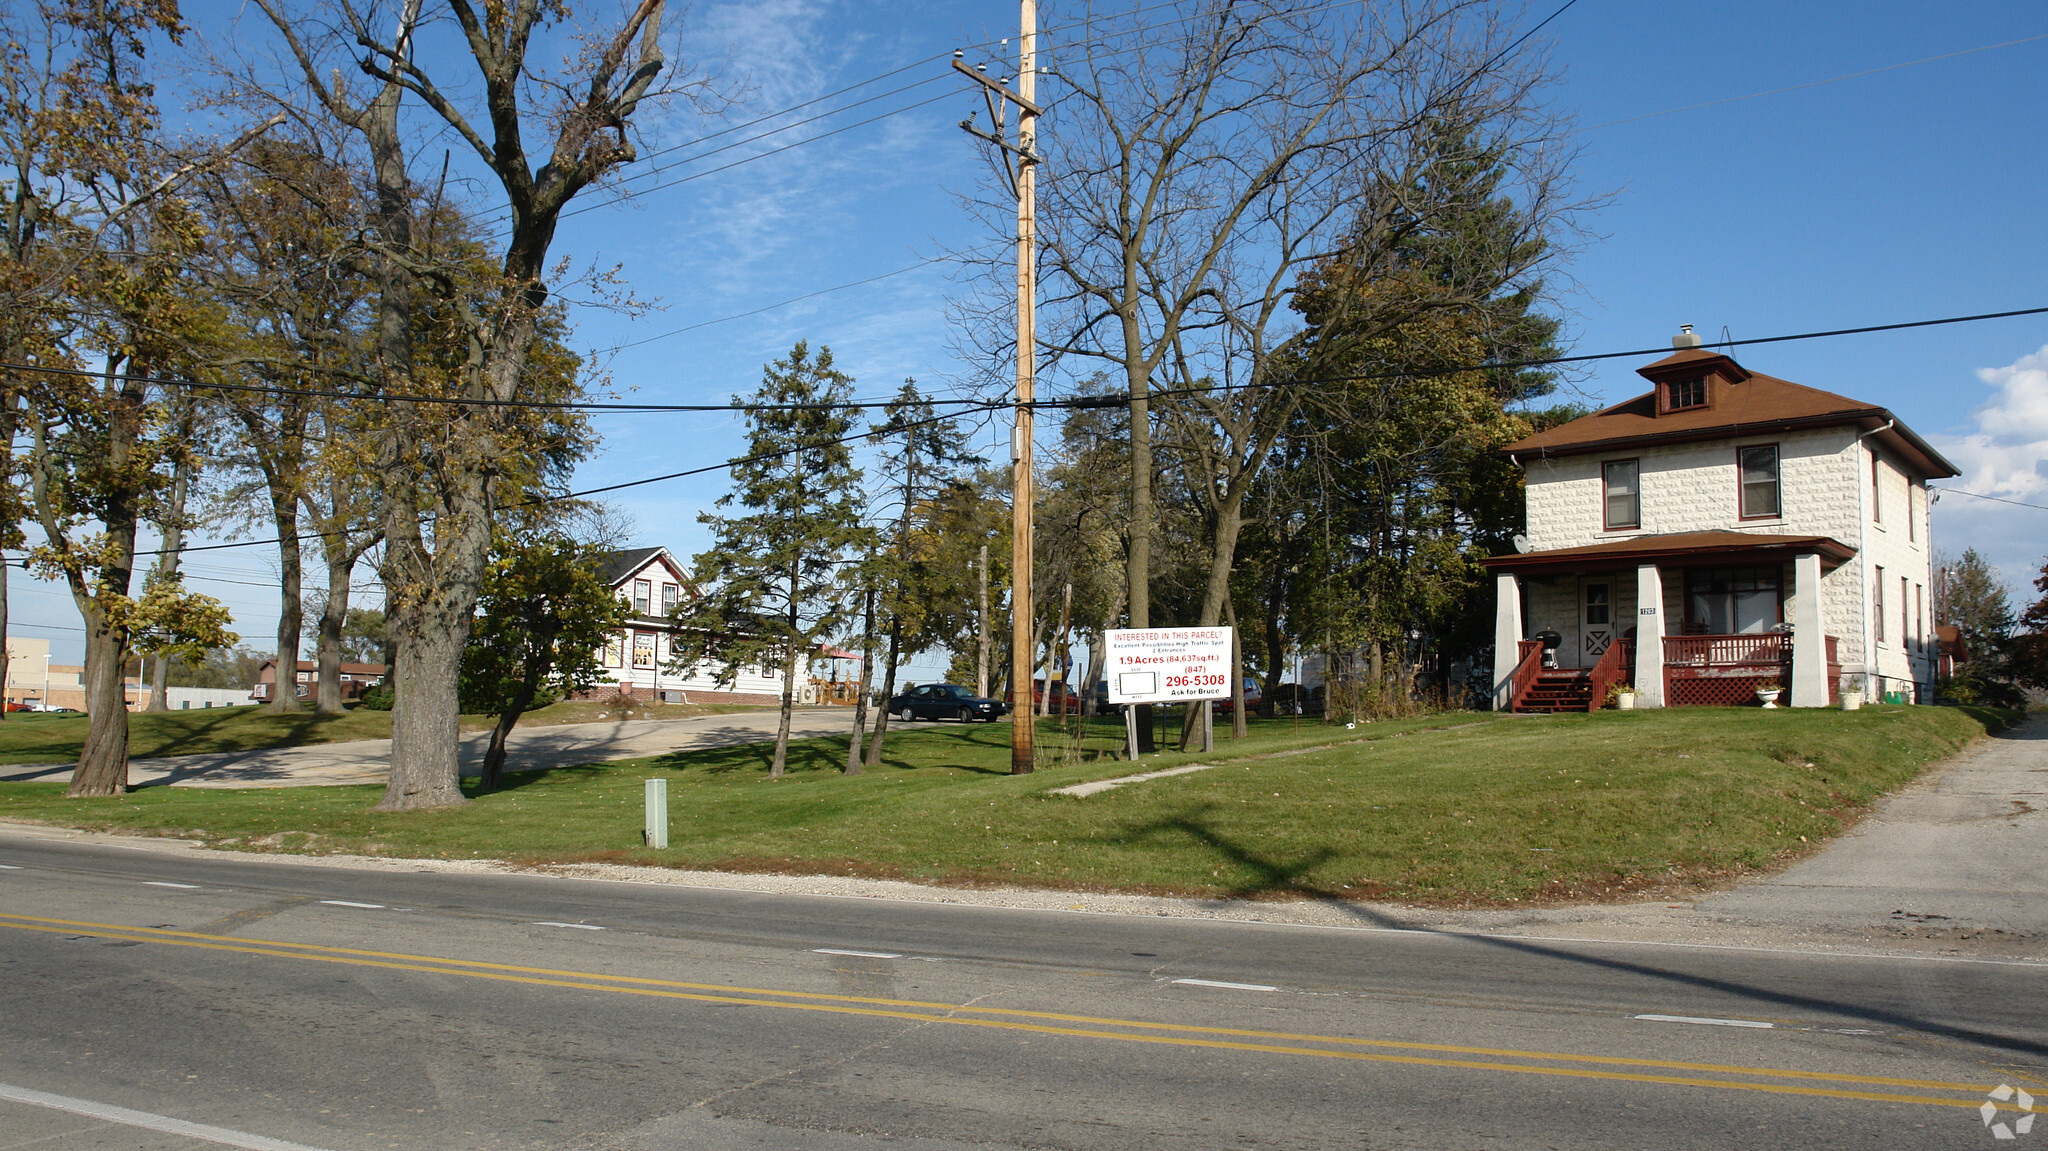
(774, 579)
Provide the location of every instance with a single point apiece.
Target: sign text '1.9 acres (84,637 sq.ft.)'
(1167, 664)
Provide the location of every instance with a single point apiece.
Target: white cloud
(2003, 454)
(2007, 453)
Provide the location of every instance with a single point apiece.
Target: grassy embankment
(37, 737)
(1457, 809)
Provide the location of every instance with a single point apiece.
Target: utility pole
(1020, 164)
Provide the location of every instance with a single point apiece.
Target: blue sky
(1909, 193)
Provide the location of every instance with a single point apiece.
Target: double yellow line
(1823, 1084)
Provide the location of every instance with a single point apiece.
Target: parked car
(1061, 696)
(1228, 704)
(946, 701)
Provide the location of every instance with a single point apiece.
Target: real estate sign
(1167, 664)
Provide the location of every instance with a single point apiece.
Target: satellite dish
(1522, 543)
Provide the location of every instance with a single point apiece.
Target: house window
(1905, 606)
(642, 591)
(1680, 395)
(1759, 466)
(1920, 615)
(643, 650)
(1734, 601)
(615, 652)
(1876, 489)
(1912, 514)
(1877, 614)
(668, 598)
(1623, 495)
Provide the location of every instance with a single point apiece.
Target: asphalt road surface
(186, 999)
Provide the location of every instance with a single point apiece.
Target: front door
(1596, 621)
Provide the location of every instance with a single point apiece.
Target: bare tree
(440, 463)
(1197, 166)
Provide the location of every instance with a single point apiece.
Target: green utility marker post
(656, 834)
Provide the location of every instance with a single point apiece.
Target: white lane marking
(1706, 1022)
(577, 926)
(168, 883)
(1230, 986)
(352, 903)
(857, 954)
(148, 1121)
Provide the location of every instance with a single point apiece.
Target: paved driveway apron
(565, 745)
(1962, 853)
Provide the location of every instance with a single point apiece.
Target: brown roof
(1681, 549)
(1740, 403)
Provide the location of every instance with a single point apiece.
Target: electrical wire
(1071, 402)
(1993, 499)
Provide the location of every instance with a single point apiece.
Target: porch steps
(1556, 691)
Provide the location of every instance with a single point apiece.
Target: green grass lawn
(1455, 809)
(41, 737)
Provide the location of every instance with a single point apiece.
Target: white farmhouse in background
(1722, 531)
(634, 661)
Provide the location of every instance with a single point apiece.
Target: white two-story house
(1725, 531)
(635, 660)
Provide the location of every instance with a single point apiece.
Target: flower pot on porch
(1768, 696)
(1625, 701)
(1851, 700)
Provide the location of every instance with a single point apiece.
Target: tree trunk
(103, 762)
(425, 729)
(1238, 729)
(789, 669)
(494, 756)
(867, 676)
(291, 614)
(874, 757)
(5, 651)
(333, 618)
(168, 564)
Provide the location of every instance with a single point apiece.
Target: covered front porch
(1703, 618)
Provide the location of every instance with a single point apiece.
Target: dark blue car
(945, 701)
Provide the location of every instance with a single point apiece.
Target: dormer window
(1686, 394)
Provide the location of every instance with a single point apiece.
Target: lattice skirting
(1718, 691)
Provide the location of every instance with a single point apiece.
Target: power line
(1993, 499)
(969, 405)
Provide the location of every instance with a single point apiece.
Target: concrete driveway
(1962, 854)
(565, 745)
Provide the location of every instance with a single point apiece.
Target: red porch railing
(1724, 670)
(1526, 670)
(1616, 665)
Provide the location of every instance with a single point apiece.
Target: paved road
(335, 1008)
(1962, 854)
(563, 745)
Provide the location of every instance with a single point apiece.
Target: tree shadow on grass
(1270, 875)
(515, 780)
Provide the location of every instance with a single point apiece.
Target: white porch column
(1809, 642)
(1649, 637)
(1507, 636)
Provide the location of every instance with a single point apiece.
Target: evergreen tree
(774, 579)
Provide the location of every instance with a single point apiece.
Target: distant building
(354, 678)
(652, 583)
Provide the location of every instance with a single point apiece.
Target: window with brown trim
(1905, 614)
(1684, 395)
(1734, 601)
(1876, 490)
(1877, 612)
(1759, 469)
(1621, 495)
(643, 590)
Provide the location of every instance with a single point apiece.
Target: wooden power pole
(1020, 164)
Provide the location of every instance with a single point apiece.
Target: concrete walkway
(1958, 854)
(564, 745)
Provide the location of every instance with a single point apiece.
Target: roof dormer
(1691, 379)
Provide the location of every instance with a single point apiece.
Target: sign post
(1167, 665)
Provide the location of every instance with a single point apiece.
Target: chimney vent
(1686, 337)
